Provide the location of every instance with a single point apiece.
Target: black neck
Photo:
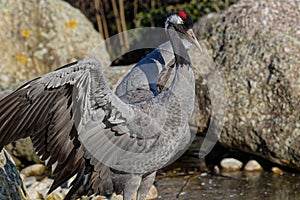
(181, 55)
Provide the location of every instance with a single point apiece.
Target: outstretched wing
(65, 111)
(41, 109)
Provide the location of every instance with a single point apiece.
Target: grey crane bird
(80, 127)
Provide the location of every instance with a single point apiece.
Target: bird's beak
(193, 39)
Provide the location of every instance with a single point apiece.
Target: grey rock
(41, 36)
(255, 47)
(11, 185)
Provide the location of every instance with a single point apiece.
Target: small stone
(116, 197)
(152, 194)
(231, 164)
(253, 166)
(35, 195)
(29, 181)
(98, 198)
(55, 196)
(34, 170)
(216, 169)
(277, 170)
(38, 186)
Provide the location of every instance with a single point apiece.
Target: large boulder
(41, 36)
(255, 46)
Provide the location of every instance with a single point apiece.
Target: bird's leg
(131, 187)
(145, 186)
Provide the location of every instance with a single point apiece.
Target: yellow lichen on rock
(21, 59)
(71, 24)
(26, 33)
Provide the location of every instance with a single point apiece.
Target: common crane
(80, 127)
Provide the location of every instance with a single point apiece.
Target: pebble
(34, 170)
(277, 170)
(33, 194)
(152, 194)
(116, 197)
(55, 196)
(216, 169)
(98, 198)
(231, 164)
(253, 166)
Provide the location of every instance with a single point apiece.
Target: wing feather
(73, 119)
(43, 109)
(30, 110)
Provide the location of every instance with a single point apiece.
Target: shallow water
(230, 185)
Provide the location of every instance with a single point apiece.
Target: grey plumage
(145, 76)
(79, 126)
(136, 87)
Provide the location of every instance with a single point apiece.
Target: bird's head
(182, 22)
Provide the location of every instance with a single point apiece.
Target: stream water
(237, 185)
(185, 177)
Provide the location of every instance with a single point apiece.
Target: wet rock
(11, 185)
(255, 46)
(277, 170)
(231, 164)
(41, 36)
(253, 166)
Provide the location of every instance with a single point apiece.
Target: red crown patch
(182, 14)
